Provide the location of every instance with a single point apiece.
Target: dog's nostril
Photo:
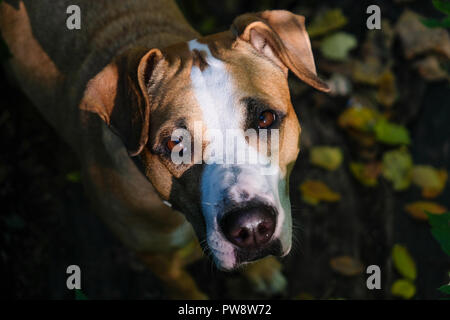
(249, 228)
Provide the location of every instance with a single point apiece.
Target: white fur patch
(218, 99)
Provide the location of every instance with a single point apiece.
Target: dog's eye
(173, 143)
(266, 119)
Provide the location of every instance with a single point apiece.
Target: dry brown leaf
(430, 69)
(387, 89)
(418, 39)
(417, 209)
(347, 266)
(366, 173)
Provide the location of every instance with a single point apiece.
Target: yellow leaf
(431, 180)
(403, 262)
(327, 21)
(329, 158)
(403, 288)
(359, 118)
(346, 266)
(314, 191)
(387, 90)
(366, 173)
(397, 165)
(417, 209)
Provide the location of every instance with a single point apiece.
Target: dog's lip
(245, 206)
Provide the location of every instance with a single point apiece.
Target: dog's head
(197, 113)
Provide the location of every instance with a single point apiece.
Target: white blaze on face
(217, 97)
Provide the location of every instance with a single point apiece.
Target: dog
(116, 89)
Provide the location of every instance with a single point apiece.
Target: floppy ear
(281, 36)
(119, 94)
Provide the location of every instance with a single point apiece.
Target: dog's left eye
(266, 119)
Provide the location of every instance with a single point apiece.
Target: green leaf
(439, 221)
(403, 262)
(73, 176)
(403, 288)
(397, 167)
(337, 46)
(445, 289)
(435, 23)
(326, 157)
(391, 133)
(442, 235)
(442, 5)
(440, 229)
(79, 295)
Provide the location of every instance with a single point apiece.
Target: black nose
(249, 228)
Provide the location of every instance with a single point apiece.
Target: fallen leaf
(387, 89)
(445, 289)
(403, 288)
(326, 21)
(430, 69)
(442, 5)
(391, 133)
(436, 23)
(431, 180)
(418, 39)
(368, 71)
(440, 228)
(337, 46)
(359, 118)
(329, 158)
(366, 173)
(417, 209)
(347, 266)
(397, 167)
(314, 191)
(403, 262)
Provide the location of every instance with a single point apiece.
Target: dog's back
(53, 64)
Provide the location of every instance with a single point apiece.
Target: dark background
(46, 223)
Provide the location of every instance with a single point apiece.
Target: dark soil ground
(46, 223)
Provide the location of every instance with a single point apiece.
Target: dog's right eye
(171, 144)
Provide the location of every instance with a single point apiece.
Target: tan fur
(111, 88)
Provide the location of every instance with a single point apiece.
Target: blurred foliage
(406, 267)
(326, 157)
(315, 191)
(444, 7)
(326, 21)
(419, 209)
(440, 228)
(337, 46)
